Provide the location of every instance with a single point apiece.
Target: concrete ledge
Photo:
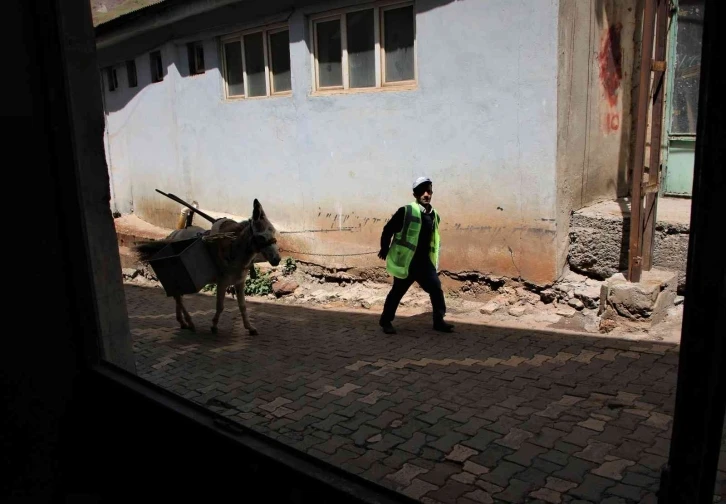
(599, 238)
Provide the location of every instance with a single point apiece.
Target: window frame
(239, 37)
(131, 63)
(112, 78)
(192, 57)
(379, 9)
(152, 54)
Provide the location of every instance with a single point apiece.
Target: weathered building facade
(521, 113)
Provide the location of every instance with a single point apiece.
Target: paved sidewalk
(483, 415)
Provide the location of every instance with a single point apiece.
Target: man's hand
(383, 253)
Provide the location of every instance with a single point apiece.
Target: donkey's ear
(257, 213)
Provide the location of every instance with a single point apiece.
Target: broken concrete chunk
(576, 304)
(566, 311)
(489, 308)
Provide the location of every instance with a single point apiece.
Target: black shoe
(443, 326)
(388, 328)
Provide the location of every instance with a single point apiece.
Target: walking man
(414, 255)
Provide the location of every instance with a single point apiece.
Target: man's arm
(393, 226)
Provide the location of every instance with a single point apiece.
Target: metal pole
(701, 392)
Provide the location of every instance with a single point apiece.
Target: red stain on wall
(612, 122)
(611, 59)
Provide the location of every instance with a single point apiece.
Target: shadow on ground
(487, 414)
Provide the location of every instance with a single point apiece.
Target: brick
(434, 415)
(406, 474)
(548, 437)
(575, 470)
(415, 444)
(329, 422)
(418, 488)
(479, 496)
(482, 439)
(440, 473)
(613, 469)
(525, 454)
(464, 477)
(595, 451)
(504, 425)
(579, 436)
(450, 492)
(472, 427)
(492, 455)
(475, 468)
(626, 491)
(532, 475)
(361, 436)
(447, 442)
(560, 485)
(547, 495)
(546, 465)
(592, 488)
(515, 491)
(502, 473)
(460, 453)
(384, 419)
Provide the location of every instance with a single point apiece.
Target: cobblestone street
(487, 414)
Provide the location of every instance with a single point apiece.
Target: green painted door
(682, 112)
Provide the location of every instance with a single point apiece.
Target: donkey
(234, 254)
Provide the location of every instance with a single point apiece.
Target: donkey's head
(264, 235)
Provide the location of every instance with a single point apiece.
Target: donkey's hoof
(253, 331)
(214, 330)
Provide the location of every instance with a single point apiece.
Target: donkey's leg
(221, 291)
(179, 318)
(240, 287)
(182, 315)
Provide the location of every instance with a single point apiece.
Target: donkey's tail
(147, 250)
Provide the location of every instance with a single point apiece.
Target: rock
(365, 304)
(589, 295)
(517, 311)
(607, 325)
(570, 294)
(489, 308)
(648, 299)
(576, 304)
(547, 296)
(566, 311)
(678, 300)
(284, 287)
(130, 272)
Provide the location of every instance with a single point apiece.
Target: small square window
(131, 73)
(157, 69)
(195, 54)
(111, 78)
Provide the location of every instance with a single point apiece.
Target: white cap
(421, 180)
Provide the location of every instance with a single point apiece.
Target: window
(365, 48)
(111, 78)
(131, 73)
(257, 64)
(157, 69)
(195, 53)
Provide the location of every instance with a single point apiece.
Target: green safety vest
(405, 242)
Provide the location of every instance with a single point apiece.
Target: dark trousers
(424, 273)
